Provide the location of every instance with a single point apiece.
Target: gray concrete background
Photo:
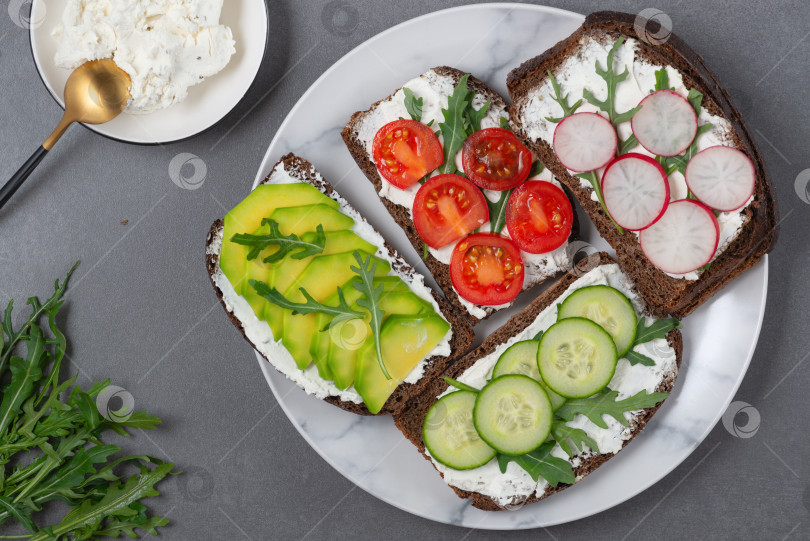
(141, 310)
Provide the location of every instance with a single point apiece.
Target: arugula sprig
(562, 99)
(540, 463)
(413, 104)
(571, 439)
(311, 306)
(58, 427)
(612, 79)
(370, 301)
(658, 329)
(292, 245)
(606, 403)
(454, 128)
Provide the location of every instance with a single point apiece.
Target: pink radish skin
(666, 124)
(722, 177)
(684, 239)
(584, 142)
(636, 191)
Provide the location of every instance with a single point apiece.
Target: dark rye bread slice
(664, 295)
(410, 421)
(439, 270)
(460, 342)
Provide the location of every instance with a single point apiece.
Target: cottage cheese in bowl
(166, 46)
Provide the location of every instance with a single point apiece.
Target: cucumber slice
(576, 357)
(521, 358)
(449, 433)
(608, 307)
(513, 414)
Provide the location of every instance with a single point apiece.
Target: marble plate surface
(207, 103)
(720, 337)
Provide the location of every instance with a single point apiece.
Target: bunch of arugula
(370, 301)
(50, 440)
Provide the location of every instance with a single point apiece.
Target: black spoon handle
(19, 177)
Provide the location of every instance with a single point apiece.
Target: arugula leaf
(628, 144)
(661, 80)
(454, 127)
(24, 374)
(413, 104)
(460, 386)
(504, 122)
(605, 403)
(287, 244)
(562, 99)
(658, 329)
(678, 163)
(536, 169)
(311, 306)
(591, 177)
(540, 463)
(475, 116)
(497, 211)
(572, 440)
(612, 79)
(695, 98)
(371, 302)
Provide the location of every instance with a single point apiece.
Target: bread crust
(439, 270)
(665, 296)
(410, 421)
(463, 334)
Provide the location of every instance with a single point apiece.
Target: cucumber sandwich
(321, 295)
(562, 387)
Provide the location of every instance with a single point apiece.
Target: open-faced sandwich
(654, 151)
(562, 387)
(321, 295)
(469, 195)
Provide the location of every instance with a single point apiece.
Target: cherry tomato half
(487, 269)
(539, 217)
(494, 159)
(404, 151)
(446, 208)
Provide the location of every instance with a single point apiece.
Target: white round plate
(207, 103)
(720, 337)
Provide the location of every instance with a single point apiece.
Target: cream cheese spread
(165, 46)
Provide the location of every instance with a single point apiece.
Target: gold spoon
(96, 92)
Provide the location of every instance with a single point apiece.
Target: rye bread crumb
(463, 334)
(665, 295)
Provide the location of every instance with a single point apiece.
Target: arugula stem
(591, 177)
(461, 386)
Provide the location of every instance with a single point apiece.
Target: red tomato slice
(404, 151)
(539, 217)
(494, 159)
(487, 269)
(446, 208)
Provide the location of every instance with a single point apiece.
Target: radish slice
(684, 239)
(722, 177)
(584, 142)
(666, 124)
(636, 191)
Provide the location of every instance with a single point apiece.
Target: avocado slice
(247, 216)
(285, 272)
(320, 279)
(346, 339)
(404, 340)
(299, 221)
